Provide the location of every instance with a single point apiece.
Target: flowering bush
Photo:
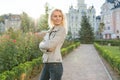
(17, 47)
(29, 69)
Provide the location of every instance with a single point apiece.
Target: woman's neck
(58, 25)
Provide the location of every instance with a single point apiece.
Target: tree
(32, 26)
(86, 31)
(43, 21)
(25, 22)
(101, 28)
(2, 18)
(69, 35)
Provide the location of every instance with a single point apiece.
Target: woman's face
(57, 18)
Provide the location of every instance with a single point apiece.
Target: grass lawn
(113, 49)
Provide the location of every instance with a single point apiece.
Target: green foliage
(100, 30)
(25, 71)
(106, 42)
(68, 43)
(32, 27)
(69, 35)
(101, 27)
(86, 31)
(113, 49)
(24, 22)
(111, 54)
(2, 18)
(43, 21)
(69, 48)
(27, 23)
(17, 47)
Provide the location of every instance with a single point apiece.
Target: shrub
(27, 70)
(17, 47)
(111, 57)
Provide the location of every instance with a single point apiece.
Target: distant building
(2, 27)
(110, 16)
(74, 17)
(12, 21)
(96, 29)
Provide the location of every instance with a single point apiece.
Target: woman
(51, 45)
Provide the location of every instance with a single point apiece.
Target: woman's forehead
(58, 12)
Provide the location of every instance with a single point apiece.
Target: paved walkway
(84, 63)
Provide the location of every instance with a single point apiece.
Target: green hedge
(106, 42)
(110, 57)
(68, 49)
(18, 72)
(25, 71)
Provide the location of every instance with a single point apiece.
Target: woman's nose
(58, 17)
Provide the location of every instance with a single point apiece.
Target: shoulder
(61, 29)
(61, 32)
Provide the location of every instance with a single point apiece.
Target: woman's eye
(55, 16)
(60, 16)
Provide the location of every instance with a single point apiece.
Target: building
(110, 16)
(97, 29)
(12, 21)
(2, 27)
(74, 17)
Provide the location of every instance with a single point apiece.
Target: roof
(111, 1)
(115, 2)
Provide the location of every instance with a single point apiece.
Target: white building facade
(12, 21)
(2, 27)
(110, 16)
(74, 17)
(96, 29)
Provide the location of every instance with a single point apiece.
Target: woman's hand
(50, 50)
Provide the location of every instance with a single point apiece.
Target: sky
(34, 8)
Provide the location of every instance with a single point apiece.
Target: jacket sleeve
(52, 43)
(42, 33)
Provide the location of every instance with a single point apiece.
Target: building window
(117, 31)
(76, 17)
(117, 16)
(108, 28)
(72, 17)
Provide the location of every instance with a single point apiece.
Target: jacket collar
(55, 28)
